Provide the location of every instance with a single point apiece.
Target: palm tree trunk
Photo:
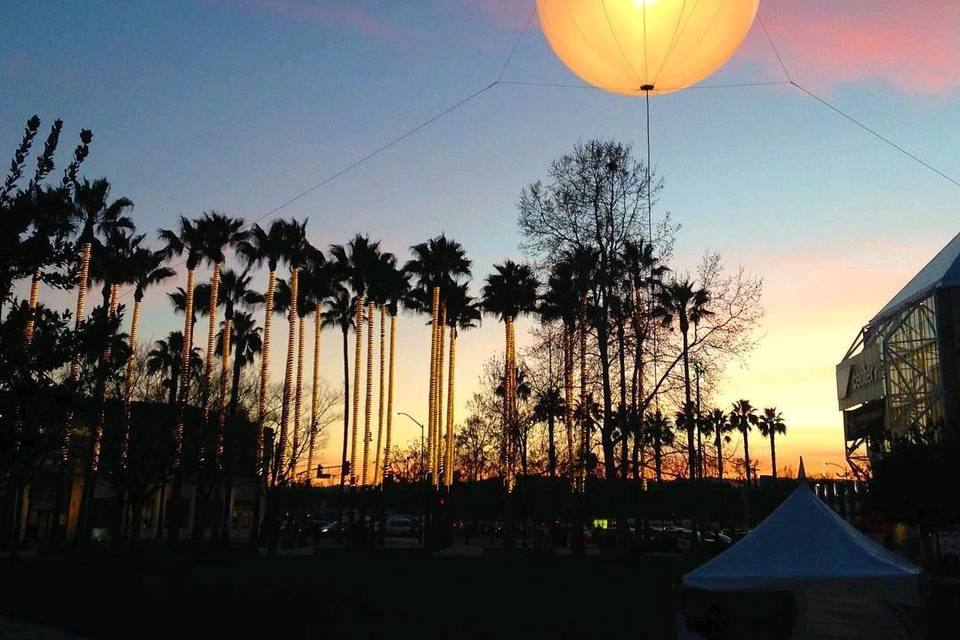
(773, 452)
(568, 395)
(205, 393)
(687, 413)
(344, 461)
(746, 456)
(298, 400)
(393, 349)
(509, 426)
(82, 284)
(314, 392)
(658, 458)
(357, 355)
(235, 381)
(174, 516)
(511, 391)
(451, 429)
(432, 405)
(438, 436)
(637, 386)
(278, 465)
(381, 390)
(368, 398)
(184, 391)
(32, 306)
(719, 444)
(127, 409)
(211, 341)
(261, 470)
(128, 385)
(225, 371)
(224, 469)
(62, 496)
(91, 473)
(584, 419)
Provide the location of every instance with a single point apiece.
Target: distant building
(900, 376)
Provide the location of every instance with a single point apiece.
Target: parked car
(401, 527)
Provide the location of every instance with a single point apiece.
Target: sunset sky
(240, 104)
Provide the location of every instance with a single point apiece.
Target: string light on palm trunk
(368, 398)
(355, 417)
(265, 368)
(381, 389)
(225, 364)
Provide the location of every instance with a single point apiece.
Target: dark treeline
(613, 389)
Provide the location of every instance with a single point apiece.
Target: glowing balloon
(628, 46)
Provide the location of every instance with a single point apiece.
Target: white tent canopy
(805, 547)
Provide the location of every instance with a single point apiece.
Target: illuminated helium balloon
(632, 46)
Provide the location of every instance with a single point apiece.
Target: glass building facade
(899, 379)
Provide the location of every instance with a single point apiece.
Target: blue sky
(240, 104)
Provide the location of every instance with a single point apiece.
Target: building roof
(804, 546)
(942, 271)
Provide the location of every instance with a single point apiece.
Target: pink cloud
(326, 14)
(908, 44)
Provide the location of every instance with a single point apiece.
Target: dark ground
(383, 593)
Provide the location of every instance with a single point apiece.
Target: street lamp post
(423, 512)
(419, 424)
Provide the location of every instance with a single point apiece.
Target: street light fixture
(419, 424)
(423, 513)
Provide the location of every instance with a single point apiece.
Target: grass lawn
(383, 593)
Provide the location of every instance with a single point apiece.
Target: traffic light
(346, 467)
(319, 470)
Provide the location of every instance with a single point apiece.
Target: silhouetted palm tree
(219, 232)
(263, 246)
(315, 284)
(165, 358)
(509, 292)
(659, 431)
(355, 262)
(146, 270)
(550, 406)
(234, 291)
(110, 265)
(682, 302)
(559, 302)
(463, 312)
(718, 425)
(583, 271)
(339, 314)
(296, 252)
(381, 289)
(96, 213)
(437, 265)
(770, 424)
(645, 273)
(188, 239)
(52, 217)
(397, 288)
(282, 304)
(743, 417)
(247, 345)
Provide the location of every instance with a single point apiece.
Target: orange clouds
(908, 44)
